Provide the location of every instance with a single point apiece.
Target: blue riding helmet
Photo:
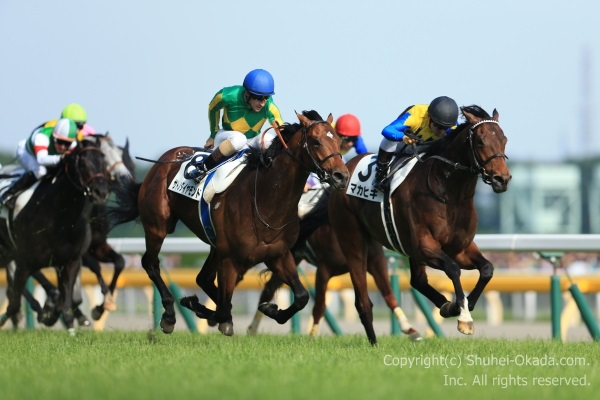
(259, 83)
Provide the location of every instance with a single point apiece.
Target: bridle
(321, 173)
(318, 165)
(479, 165)
(84, 185)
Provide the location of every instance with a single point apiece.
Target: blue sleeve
(359, 146)
(395, 130)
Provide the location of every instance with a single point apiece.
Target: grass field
(44, 364)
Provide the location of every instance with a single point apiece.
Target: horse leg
(321, 280)
(49, 314)
(272, 285)
(206, 281)
(119, 265)
(418, 280)
(440, 260)
(13, 293)
(90, 261)
(227, 278)
(472, 258)
(66, 282)
(377, 267)
(285, 269)
(35, 305)
(81, 318)
(151, 265)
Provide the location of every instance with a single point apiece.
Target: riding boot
(383, 160)
(204, 166)
(24, 181)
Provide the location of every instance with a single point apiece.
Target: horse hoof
(97, 312)
(251, 331)
(269, 309)
(165, 327)
(84, 322)
(71, 331)
(226, 328)
(413, 334)
(109, 303)
(466, 327)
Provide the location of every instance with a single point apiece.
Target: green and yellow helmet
(65, 129)
(75, 113)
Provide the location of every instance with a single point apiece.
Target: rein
(78, 183)
(477, 169)
(322, 174)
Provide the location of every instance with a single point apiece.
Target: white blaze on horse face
(330, 135)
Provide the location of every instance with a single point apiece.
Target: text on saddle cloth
(361, 181)
(224, 175)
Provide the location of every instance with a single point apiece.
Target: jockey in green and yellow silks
(245, 109)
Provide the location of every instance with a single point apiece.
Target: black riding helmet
(443, 111)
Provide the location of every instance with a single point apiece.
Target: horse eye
(315, 143)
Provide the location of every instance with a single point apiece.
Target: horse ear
(495, 115)
(471, 119)
(126, 144)
(330, 119)
(305, 121)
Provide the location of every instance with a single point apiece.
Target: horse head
(487, 143)
(86, 168)
(320, 149)
(118, 160)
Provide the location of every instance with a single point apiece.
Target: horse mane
(256, 158)
(436, 146)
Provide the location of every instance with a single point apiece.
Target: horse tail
(316, 217)
(125, 208)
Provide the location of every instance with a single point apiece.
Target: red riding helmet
(348, 125)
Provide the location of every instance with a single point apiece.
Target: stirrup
(196, 174)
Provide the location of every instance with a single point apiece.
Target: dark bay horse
(52, 227)
(120, 165)
(318, 244)
(433, 216)
(255, 218)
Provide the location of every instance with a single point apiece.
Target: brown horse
(318, 244)
(255, 218)
(433, 217)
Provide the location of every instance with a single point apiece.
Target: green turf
(45, 364)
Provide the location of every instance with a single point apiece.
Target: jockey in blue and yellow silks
(245, 109)
(427, 122)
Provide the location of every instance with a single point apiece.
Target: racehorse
(318, 244)
(50, 227)
(120, 165)
(432, 216)
(255, 218)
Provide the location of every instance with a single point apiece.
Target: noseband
(83, 184)
(318, 165)
(479, 167)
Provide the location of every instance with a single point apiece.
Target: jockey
(76, 113)
(348, 127)
(44, 147)
(245, 110)
(427, 122)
